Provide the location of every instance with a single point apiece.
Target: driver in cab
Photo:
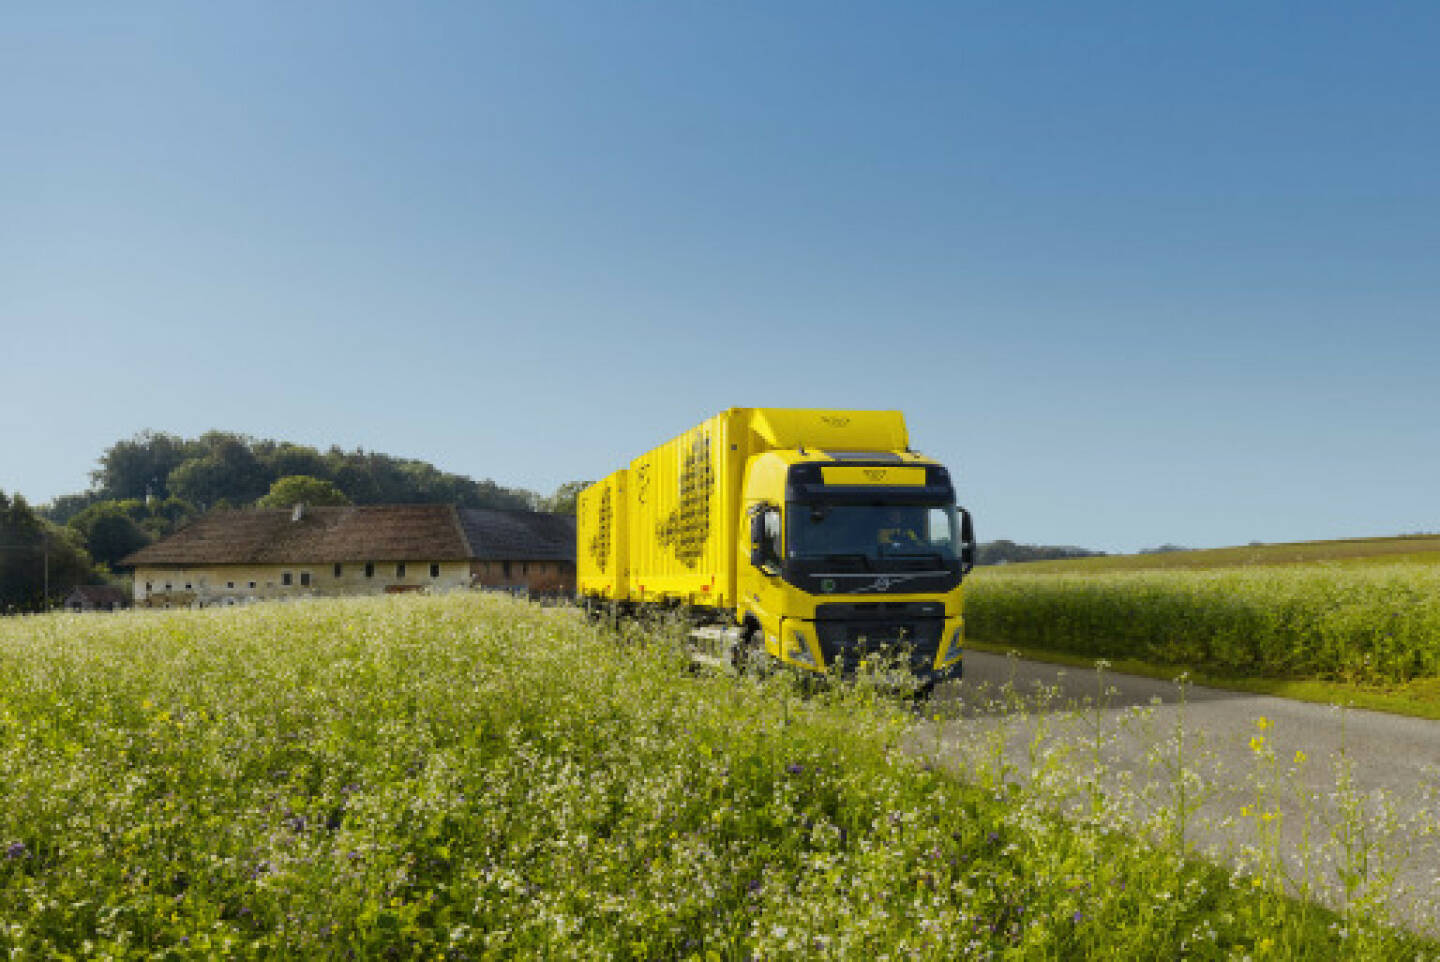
(899, 529)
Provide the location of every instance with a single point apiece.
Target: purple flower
(754, 886)
(1078, 916)
(15, 850)
(794, 768)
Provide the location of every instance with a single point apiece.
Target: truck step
(713, 646)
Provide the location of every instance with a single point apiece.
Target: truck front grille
(916, 639)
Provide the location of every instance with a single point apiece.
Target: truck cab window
(765, 537)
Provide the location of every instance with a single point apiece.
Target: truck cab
(853, 554)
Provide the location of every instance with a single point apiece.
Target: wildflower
(1300, 757)
(1263, 723)
(795, 768)
(1078, 917)
(15, 850)
(1257, 743)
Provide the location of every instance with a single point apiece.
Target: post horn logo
(833, 421)
(874, 474)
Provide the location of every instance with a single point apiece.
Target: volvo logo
(886, 582)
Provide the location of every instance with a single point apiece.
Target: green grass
(1375, 626)
(469, 777)
(1404, 549)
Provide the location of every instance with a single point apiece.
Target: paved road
(1240, 751)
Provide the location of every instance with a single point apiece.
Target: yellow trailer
(816, 534)
(601, 558)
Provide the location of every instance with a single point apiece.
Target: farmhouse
(228, 557)
(96, 598)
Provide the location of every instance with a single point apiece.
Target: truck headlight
(954, 647)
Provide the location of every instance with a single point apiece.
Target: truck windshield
(865, 532)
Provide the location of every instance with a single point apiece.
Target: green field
(1404, 549)
(470, 777)
(1364, 624)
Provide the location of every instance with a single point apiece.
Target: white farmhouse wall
(231, 584)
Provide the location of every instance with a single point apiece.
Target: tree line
(223, 469)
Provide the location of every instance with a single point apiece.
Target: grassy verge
(470, 777)
(1419, 698)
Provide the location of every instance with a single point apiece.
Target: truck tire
(748, 656)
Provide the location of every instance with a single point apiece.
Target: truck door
(761, 590)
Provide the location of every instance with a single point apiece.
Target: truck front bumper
(929, 647)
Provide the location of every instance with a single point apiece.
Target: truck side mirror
(967, 542)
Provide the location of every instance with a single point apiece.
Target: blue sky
(1139, 273)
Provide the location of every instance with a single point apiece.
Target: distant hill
(1423, 548)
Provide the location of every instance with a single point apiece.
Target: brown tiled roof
(497, 535)
(99, 594)
(388, 532)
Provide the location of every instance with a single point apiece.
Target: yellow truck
(815, 537)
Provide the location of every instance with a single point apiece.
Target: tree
(564, 498)
(110, 530)
(141, 466)
(229, 470)
(302, 489)
(283, 459)
(67, 506)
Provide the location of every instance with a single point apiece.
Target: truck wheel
(748, 655)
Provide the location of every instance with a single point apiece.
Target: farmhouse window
(339, 568)
(252, 585)
(229, 584)
(369, 569)
(400, 570)
(286, 578)
(434, 571)
(304, 579)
